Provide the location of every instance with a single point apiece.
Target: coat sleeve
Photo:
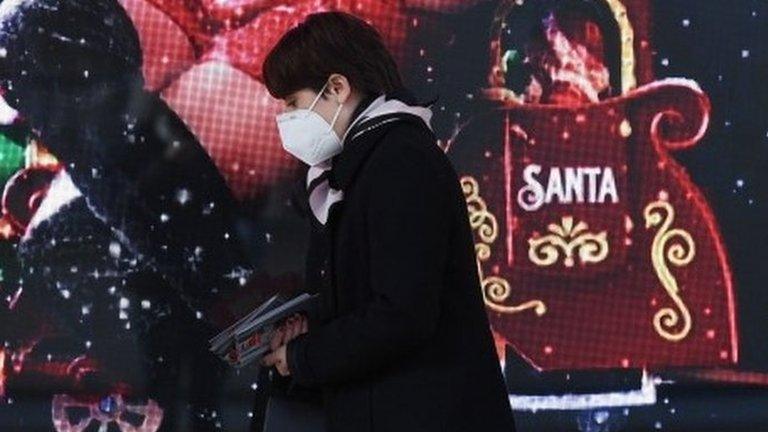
(408, 226)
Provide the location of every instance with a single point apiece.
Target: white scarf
(321, 195)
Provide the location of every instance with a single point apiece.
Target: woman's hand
(277, 359)
(293, 326)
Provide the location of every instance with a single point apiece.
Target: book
(247, 340)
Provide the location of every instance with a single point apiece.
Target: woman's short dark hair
(326, 43)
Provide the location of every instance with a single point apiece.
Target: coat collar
(373, 122)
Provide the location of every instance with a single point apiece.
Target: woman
(402, 341)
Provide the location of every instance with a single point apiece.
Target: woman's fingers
(287, 330)
(292, 327)
(290, 333)
(277, 358)
(268, 360)
(295, 328)
(277, 338)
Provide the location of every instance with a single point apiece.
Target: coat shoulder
(410, 144)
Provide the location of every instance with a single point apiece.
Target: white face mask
(307, 135)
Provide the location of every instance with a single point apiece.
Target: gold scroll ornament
(495, 289)
(568, 239)
(666, 321)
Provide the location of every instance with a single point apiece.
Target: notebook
(247, 340)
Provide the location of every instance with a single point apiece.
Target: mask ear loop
(338, 110)
(317, 98)
(335, 116)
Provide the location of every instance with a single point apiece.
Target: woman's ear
(339, 87)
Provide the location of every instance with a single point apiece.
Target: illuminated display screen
(612, 156)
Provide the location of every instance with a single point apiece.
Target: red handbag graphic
(568, 194)
(594, 247)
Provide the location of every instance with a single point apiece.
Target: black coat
(402, 341)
